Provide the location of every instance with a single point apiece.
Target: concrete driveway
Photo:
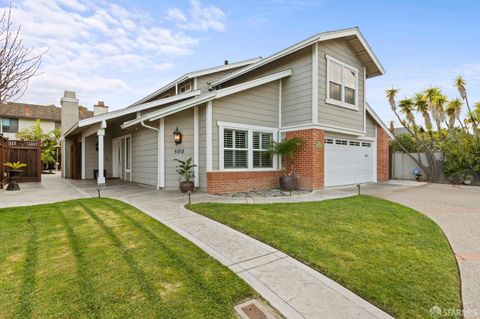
(457, 210)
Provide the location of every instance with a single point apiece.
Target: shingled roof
(35, 111)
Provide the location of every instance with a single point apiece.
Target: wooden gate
(28, 152)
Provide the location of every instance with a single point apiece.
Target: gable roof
(207, 97)
(352, 35)
(195, 74)
(379, 120)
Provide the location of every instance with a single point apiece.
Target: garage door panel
(348, 164)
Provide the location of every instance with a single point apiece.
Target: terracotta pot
(187, 187)
(13, 175)
(288, 183)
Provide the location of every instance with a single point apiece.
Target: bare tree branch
(18, 64)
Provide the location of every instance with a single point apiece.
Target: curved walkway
(294, 289)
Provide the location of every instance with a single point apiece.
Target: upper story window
(9, 125)
(342, 84)
(246, 147)
(185, 88)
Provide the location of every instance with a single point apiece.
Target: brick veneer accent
(309, 159)
(383, 155)
(226, 182)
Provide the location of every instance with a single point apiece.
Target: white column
(209, 140)
(83, 157)
(161, 154)
(196, 144)
(101, 135)
(315, 84)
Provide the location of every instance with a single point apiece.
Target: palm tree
(407, 107)
(461, 86)
(422, 107)
(473, 118)
(453, 111)
(438, 110)
(391, 94)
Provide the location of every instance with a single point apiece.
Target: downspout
(158, 131)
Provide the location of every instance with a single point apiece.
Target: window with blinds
(235, 149)
(261, 143)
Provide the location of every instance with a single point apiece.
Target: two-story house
(228, 115)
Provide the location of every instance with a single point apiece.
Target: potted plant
(186, 171)
(286, 149)
(417, 173)
(13, 174)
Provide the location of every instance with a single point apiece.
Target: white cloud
(101, 49)
(199, 17)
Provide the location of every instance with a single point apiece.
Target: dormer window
(342, 84)
(186, 88)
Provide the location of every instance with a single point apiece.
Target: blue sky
(120, 51)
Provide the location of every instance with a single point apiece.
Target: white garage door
(348, 161)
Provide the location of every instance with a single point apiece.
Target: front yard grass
(95, 258)
(389, 254)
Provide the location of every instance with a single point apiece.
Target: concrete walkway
(294, 289)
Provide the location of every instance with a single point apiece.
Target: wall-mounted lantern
(177, 136)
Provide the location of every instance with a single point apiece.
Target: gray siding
(144, 155)
(184, 121)
(296, 89)
(91, 155)
(332, 114)
(371, 125)
(203, 148)
(257, 106)
(203, 81)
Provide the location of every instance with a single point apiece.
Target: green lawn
(102, 258)
(391, 255)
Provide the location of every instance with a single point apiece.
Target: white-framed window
(342, 84)
(245, 147)
(186, 88)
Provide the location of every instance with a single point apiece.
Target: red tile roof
(35, 111)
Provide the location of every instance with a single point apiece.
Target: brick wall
(309, 160)
(383, 159)
(226, 182)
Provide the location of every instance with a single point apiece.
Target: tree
(18, 64)
(458, 144)
(49, 141)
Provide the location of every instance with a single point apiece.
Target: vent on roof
(226, 62)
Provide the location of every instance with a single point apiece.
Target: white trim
(364, 98)
(119, 140)
(325, 127)
(209, 135)
(130, 169)
(324, 36)
(83, 157)
(279, 134)
(194, 75)
(250, 129)
(136, 108)
(195, 83)
(161, 153)
(196, 144)
(247, 127)
(341, 103)
(207, 97)
(375, 178)
(315, 83)
(101, 156)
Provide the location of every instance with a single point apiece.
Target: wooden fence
(27, 152)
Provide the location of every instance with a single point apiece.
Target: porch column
(83, 156)
(101, 135)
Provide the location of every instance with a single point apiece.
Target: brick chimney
(100, 108)
(70, 111)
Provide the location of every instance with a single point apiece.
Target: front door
(122, 157)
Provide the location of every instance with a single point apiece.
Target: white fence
(403, 165)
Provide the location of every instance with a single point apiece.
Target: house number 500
(179, 151)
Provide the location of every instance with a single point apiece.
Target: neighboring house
(228, 115)
(15, 117)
